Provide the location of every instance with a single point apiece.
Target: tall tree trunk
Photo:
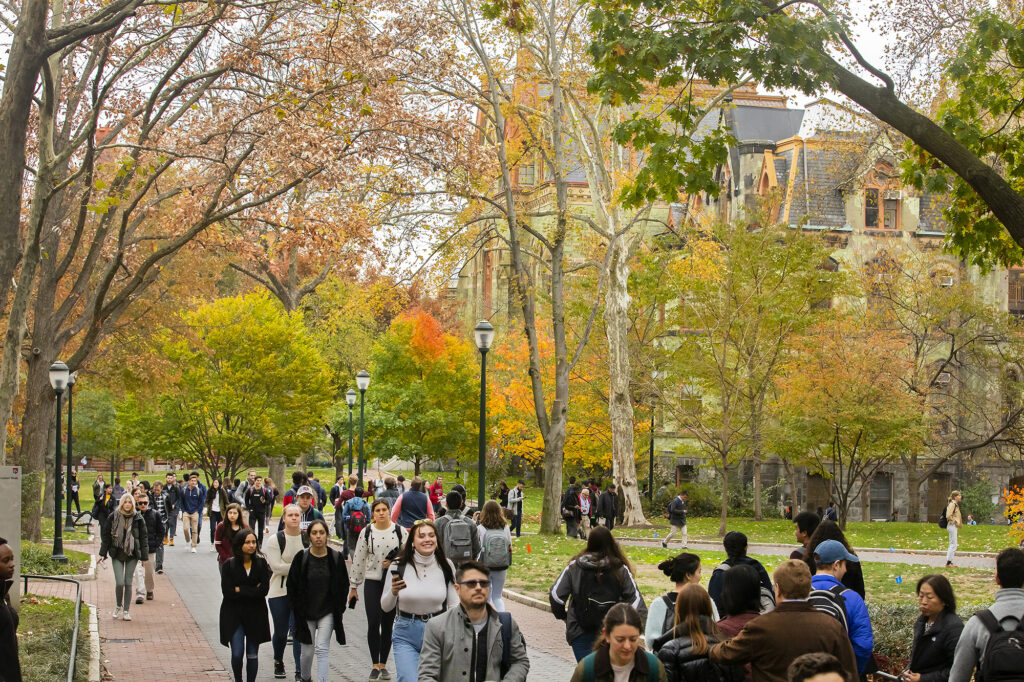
(758, 514)
(551, 512)
(49, 483)
(914, 497)
(724, 516)
(39, 405)
(620, 399)
(276, 468)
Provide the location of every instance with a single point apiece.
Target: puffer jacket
(683, 665)
(566, 591)
(154, 529)
(140, 532)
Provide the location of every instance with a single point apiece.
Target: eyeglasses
(473, 584)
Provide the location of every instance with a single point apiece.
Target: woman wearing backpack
(684, 649)
(280, 549)
(369, 564)
(735, 544)
(244, 582)
(953, 523)
(936, 631)
(683, 570)
(318, 587)
(619, 655)
(495, 549)
(420, 585)
(595, 579)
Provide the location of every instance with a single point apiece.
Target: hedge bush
(893, 626)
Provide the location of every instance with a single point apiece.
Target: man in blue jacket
(191, 503)
(830, 557)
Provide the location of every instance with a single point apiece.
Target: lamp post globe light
(484, 333)
(69, 522)
(350, 398)
(362, 383)
(58, 380)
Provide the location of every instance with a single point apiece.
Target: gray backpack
(458, 539)
(495, 554)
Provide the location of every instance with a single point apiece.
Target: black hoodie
(10, 668)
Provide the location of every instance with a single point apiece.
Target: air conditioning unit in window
(945, 281)
(896, 194)
(943, 378)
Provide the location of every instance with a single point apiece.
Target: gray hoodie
(1009, 604)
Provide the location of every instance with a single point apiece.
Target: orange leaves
(427, 342)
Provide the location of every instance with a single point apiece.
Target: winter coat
(718, 576)
(139, 530)
(449, 641)
(683, 665)
(172, 493)
(676, 512)
(603, 667)
(566, 591)
(224, 500)
(608, 505)
(248, 605)
(932, 652)
(297, 589)
(10, 668)
(858, 621)
(154, 529)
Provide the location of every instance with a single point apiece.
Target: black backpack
(943, 521)
(1003, 658)
(281, 540)
(832, 602)
(596, 594)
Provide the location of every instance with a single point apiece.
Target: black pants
(258, 522)
(74, 498)
(215, 518)
(378, 622)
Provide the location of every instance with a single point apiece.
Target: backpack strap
(989, 620)
(281, 540)
(505, 618)
(652, 667)
(588, 669)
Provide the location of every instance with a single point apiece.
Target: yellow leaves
(703, 263)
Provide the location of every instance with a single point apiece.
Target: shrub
(893, 625)
(978, 501)
(35, 560)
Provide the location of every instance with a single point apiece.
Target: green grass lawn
(535, 571)
(44, 639)
(35, 559)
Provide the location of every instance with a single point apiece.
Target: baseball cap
(831, 551)
(304, 490)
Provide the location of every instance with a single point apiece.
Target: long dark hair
(602, 545)
(211, 491)
(409, 550)
(826, 530)
(741, 590)
(229, 532)
(239, 540)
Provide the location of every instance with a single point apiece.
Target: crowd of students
(431, 576)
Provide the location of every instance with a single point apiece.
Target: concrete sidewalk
(197, 579)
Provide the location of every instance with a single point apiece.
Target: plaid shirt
(158, 503)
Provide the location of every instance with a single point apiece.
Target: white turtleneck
(425, 590)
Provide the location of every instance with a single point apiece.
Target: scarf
(121, 534)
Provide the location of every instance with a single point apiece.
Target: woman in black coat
(244, 625)
(936, 631)
(829, 530)
(317, 589)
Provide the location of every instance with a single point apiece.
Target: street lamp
(58, 380)
(362, 382)
(69, 523)
(350, 398)
(484, 333)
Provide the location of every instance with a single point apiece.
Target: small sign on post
(10, 521)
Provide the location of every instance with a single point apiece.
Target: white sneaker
(213, 549)
(193, 550)
(127, 616)
(117, 612)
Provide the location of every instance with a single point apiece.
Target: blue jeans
(241, 646)
(281, 614)
(171, 527)
(406, 642)
(583, 645)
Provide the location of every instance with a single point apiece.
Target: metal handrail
(78, 611)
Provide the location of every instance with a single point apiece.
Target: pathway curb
(94, 645)
(527, 601)
(83, 577)
(753, 546)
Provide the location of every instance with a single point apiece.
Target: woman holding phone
(420, 585)
(376, 546)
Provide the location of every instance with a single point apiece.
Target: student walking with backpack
(412, 506)
(952, 520)
(473, 638)
(735, 544)
(375, 549)
(683, 650)
(418, 587)
(682, 570)
(318, 588)
(830, 596)
(676, 515)
(244, 582)
(594, 581)
(619, 656)
(280, 549)
(936, 631)
(256, 503)
(991, 639)
(354, 518)
(456, 532)
(495, 549)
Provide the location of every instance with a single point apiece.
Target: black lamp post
(69, 523)
(484, 333)
(58, 380)
(362, 382)
(350, 398)
(655, 375)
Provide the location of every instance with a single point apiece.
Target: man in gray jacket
(1008, 609)
(467, 643)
